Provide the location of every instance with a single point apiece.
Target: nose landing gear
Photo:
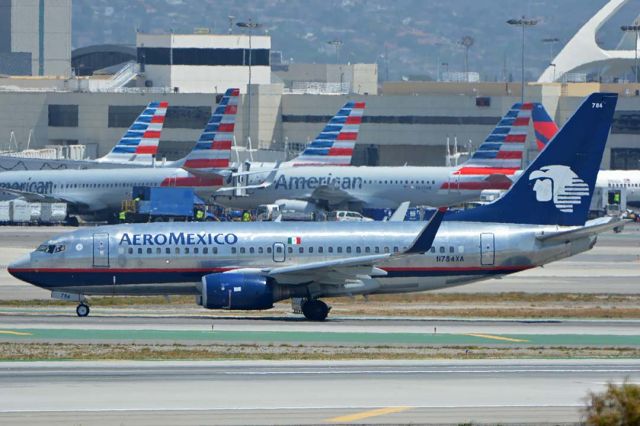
(315, 310)
(83, 310)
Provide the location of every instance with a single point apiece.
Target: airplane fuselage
(370, 187)
(95, 190)
(145, 259)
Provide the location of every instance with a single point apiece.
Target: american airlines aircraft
(137, 147)
(247, 266)
(96, 193)
(545, 128)
(312, 188)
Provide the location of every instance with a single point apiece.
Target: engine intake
(237, 291)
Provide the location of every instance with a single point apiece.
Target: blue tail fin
(557, 186)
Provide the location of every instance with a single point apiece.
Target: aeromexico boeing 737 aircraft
(312, 188)
(542, 218)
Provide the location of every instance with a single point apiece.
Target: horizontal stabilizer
(592, 227)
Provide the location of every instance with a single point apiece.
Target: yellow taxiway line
(490, 336)
(366, 414)
(15, 333)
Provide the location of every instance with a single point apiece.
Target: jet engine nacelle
(297, 206)
(236, 291)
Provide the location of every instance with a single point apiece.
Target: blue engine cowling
(237, 291)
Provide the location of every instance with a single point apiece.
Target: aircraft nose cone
(18, 268)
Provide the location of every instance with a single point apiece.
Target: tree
(616, 405)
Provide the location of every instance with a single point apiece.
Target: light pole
(522, 22)
(467, 42)
(551, 42)
(635, 28)
(250, 26)
(337, 44)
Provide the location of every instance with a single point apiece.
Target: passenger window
(367, 249)
(330, 249)
(186, 250)
(214, 250)
(377, 250)
(301, 250)
(395, 249)
(167, 250)
(177, 250)
(349, 249)
(205, 250)
(386, 249)
(451, 249)
(279, 249)
(310, 249)
(252, 250)
(260, 250)
(130, 251)
(339, 249)
(149, 250)
(195, 250)
(241, 250)
(233, 250)
(290, 250)
(441, 249)
(158, 250)
(269, 250)
(320, 249)
(432, 249)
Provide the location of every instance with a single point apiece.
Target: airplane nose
(18, 267)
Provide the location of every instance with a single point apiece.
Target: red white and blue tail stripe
(334, 145)
(213, 149)
(545, 128)
(140, 143)
(504, 147)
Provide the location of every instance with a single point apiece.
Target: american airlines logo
(313, 182)
(559, 184)
(37, 187)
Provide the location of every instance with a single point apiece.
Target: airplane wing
(592, 227)
(332, 196)
(33, 197)
(338, 271)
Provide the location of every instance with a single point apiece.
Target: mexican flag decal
(294, 240)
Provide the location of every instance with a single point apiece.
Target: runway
(303, 392)
(613, 266)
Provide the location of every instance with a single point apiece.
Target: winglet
(424, 240)
(400, 213)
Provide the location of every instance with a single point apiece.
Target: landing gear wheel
(82, 310)
(315, 310)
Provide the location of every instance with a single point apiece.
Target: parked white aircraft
(311, 188)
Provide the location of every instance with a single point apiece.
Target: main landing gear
(315, 310)
(83, 310)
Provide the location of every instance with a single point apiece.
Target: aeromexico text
(178, 238)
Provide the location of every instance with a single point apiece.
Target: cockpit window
(51, 248)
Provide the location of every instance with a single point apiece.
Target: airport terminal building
(282, 106)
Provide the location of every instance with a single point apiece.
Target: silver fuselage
(173, 258)
(368, 187)
(96, 190)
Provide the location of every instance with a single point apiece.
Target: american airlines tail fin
(140, 143)
(212, 152)
(504, 146)
(334, 145)
(544, 127)
(557, 187)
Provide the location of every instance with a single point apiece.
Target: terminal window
(63, 115)
(626, 122)
(625, 158)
